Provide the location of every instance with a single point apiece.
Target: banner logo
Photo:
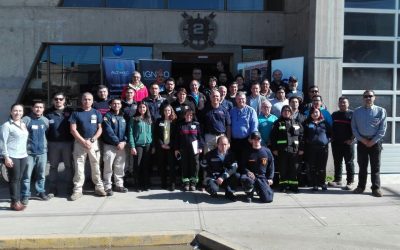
(198, 33)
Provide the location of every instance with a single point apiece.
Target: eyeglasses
(368, 96)
(58, 99)
(314, 91)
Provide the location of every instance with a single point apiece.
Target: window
(370, 4)
(362, 24)
(368, 51)
(72, 69)
(245, 5)
(196, 4)
(83, 3)
(367, 78)
(138, 4)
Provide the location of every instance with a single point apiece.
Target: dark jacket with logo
(287, 136)
(37, 126)
(59, 127)
(218, 168)
(114, 129)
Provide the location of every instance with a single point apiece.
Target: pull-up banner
(118, 73)
(155, 71)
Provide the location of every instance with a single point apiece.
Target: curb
(106, 240)
(213, 241)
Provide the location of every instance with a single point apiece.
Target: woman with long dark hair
(140, 138)
(162, 137)
(317, 133)
(14, 138)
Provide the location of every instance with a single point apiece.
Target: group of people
(218, 134)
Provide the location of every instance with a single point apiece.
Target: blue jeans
(37, 163)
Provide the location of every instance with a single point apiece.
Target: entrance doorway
(183, 64)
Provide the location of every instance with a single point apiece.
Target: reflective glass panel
(398, 106)
(368, 51)
(196, 4)
(384, 101)
(83, 3)
(371, 4)
(362, 24)
(388, 135)
(37, 88)
(130, 52)
(367, 78)
(245, 5)
(144, 4)
(74, 69)
(397, 132)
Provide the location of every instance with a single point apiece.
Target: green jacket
(139, 133)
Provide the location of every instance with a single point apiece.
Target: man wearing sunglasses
(59, 142)
(369, 127)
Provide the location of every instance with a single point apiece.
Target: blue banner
(155, 71)
(117, 74)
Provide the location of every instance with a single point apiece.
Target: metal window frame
(395, 65)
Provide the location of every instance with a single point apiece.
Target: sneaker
(335, 183)
(349, 186)
(192, 188)
(43, 196)
(230, 196)
(121, 189)
(75, 196)
(100, 192)
(109, 192)
(358, 190)
(53, 192)
(377, 192)
(25, 201)
(324, 187)
(17, 206)
(186, 187)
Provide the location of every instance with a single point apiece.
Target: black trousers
(166, 165)
(260, 185)
(287, 165)
(15, 175)
(373, 156)
(240, 147)
(344, 151)
(190, 166)
(317, 157)
(229, 184)
(141, 166)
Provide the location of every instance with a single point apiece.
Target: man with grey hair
(85, 125)
(265, 122)
(244, 122)
(228, 105)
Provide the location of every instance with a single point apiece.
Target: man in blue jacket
(37, 125)
(114, 139)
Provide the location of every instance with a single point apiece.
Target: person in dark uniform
(114, 154)
(258, 174)
(317, 133)
(188, 144)
(181, 104)
(155, 101)
(342, 144)
(221, 170)
(287, 146)
(369, 127)
(60, 142)
(294, 103)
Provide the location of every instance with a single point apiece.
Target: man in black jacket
(221, 169)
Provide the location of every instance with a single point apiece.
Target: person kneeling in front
(259, 171)
(221, 170)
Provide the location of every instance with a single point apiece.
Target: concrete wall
(325, 54)
(26, 25)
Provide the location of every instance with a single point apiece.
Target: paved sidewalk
(333, 219)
